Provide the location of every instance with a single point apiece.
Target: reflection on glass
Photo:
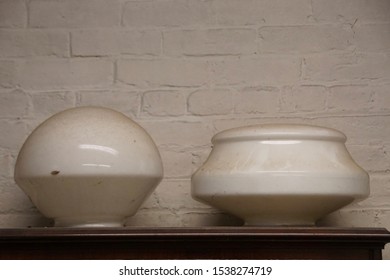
(98, 148)
(96, 165)
(281, 142)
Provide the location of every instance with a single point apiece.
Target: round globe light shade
(88, 166)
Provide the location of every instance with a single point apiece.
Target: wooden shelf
(194, 243)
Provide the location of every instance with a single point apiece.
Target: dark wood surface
(194, 243)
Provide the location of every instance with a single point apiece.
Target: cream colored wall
(186, 69)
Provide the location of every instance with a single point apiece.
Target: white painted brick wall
(64, 73)
(168, 13)
(257, 100)
(211, 102)
(106, 42)
(125, 101)
(74, 13)
(304, 39)
(8, 73)
(46, 104)
(351, 10)
(268, 12)
(24, 43)
(372, 37)
(304, 99)
(13, 13)
(210, 42)
(187, 69)
(162, 72)
(258, 70)
(346, 68)
(164, 103)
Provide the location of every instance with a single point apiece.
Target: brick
(346, 68)
(373, 158)
(210, 42)
(179, 133)
(13, 13)
(270, 12)
(22, 43)
(257, 100)
(177, 194)
(199, 157)
(46, 104)
(303, 99)
(350, 99)
(8, 73)
(163, 72)
(381, 98)
(167, 13)
(379, 192)
(304, 39)
(372, 37)
(256, 71)
(13, 134)
(164, 103)
(151, 202)
(102, 42)
(228, 123)
(177, 164)
(351, 10)
(6, 162)
(127, 102)
(180, 164)
(13, 198)
(74, 13)
(14, 104)
(360, 130)
(211, 102)
(65, 73)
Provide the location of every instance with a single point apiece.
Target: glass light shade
(88, 166)
(279, 174)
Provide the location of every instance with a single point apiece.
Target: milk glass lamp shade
(279, 174)
(88, 166)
